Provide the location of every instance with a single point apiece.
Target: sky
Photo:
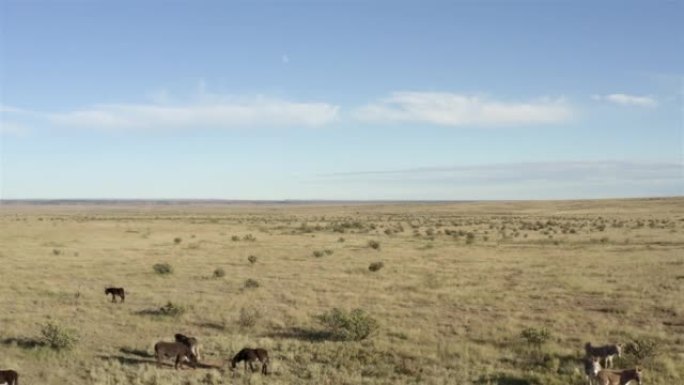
(341, 100)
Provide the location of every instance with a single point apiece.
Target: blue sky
(341, 100)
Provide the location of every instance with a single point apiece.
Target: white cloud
(11, 128)
(450, 109)
(627, 100)
(227, 113)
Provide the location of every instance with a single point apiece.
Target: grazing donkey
(619, 377)
(9, 377)
(249, 356)
(190, 342)
(591, 368)
(116, 291)
(176, 350)
(606, 352)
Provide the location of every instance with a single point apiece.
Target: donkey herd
(183, 349)
(187, 349)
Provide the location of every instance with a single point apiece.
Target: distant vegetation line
(170, 202)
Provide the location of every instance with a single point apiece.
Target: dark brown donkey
(9, 377)
(249, 356)
(116, 291)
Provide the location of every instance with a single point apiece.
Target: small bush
(375, 266)
(163, 268)
(356, 325)
(252, 259)
(251, 284)
(219, 273)
(470, 238)
(536, 337)
(177, 240)
(235, 238)
(172, 310)
(249, 238)
(374, 245)
(317, 253)
(248, 317)
(56, 251)
(340, 239)
(328, 251)
(57, 337)
(642, 350)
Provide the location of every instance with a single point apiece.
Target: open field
(460, 282)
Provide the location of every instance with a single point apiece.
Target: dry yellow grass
(450, 305)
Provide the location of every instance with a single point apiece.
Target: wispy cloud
(451, 109)
(12, 128)
(627, 100)
(226, 113)
(8, 126)
(5, 109)
(527, 171)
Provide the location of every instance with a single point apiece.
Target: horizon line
(181, 201)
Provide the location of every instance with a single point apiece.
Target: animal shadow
(136, 352)
(505, 379)
(211, 325)
(24, 343)
(129, 361)
(302, 334)
(143, 356)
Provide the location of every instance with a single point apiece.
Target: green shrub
(470, 238)
(317, 253)
(249, 237)
(219, 273)
(356, 325)
(163, 268)
(251, 284)
(536, 337)
(172, 310)
(235, 238)
(57, 337)
(252, 259)
(642, 350)
(248, 317)
(375, 266)
(374, 245)
(177, 240)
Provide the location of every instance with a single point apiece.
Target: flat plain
(461, 288)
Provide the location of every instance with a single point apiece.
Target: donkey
(591, 368)
(190, 342)
(606, 352)
(9, 377)
(249, 356)
(619, 377)
(176, 350)
(116, 291)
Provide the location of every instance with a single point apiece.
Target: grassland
(458, 285)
